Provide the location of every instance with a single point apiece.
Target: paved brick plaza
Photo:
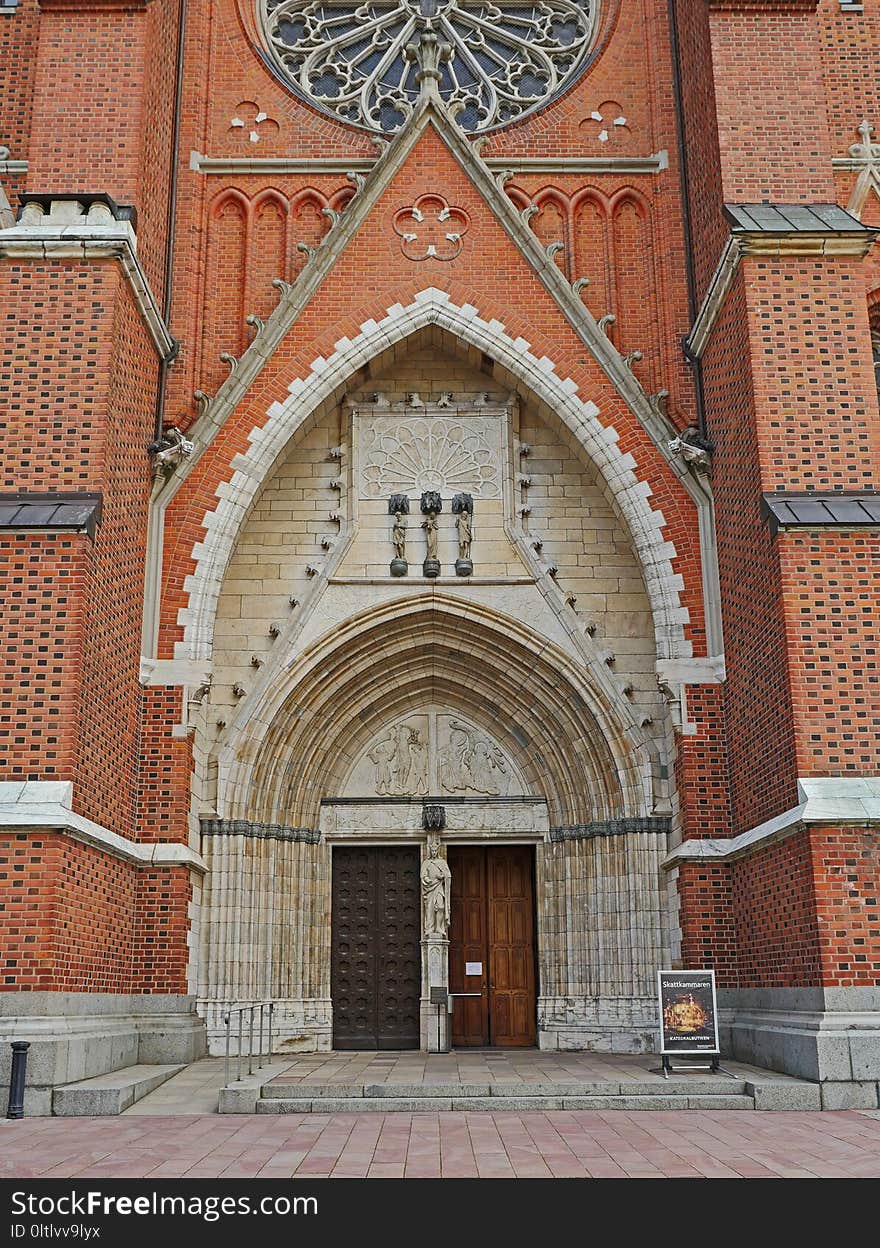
(574, 1144)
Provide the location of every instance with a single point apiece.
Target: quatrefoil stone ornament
(431, 229)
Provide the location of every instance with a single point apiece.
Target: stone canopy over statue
(436, 890)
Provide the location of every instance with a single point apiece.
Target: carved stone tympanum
(401, 761)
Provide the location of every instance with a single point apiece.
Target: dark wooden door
(375, 963)
(493, 925)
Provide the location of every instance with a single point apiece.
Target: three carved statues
(431, 505)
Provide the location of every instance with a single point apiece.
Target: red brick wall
(78, 417)
(106, 769)
(56, 351)
(88, 100)
(708, 929)
(161, 925)
(41, 612)
(760, 736)
(28, 910)
(772, 126)
(165, 763)
(833, 628)
(775, 915)
(151, 199)
(846, 873)
(18, 35)
(75, 919)
(68, 927)
(814, 392)
(709, 231)
(701, 765)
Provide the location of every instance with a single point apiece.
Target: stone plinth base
(77, 1035)
(829, 1035)
(598, 1024)
(436, 1021)
(299, 1025)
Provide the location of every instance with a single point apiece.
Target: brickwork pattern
(86, 94)
(774, 146)
(709, 931)
(760, 736)
(68, 926)
(833, 628)
(41, 623)
(846, 874)
(701, 765)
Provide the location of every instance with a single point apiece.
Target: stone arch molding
(298, 743)
(618, 469)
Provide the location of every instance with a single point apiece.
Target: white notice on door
(473, 968)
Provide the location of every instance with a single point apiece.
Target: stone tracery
(363, 65)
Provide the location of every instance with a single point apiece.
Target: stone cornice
(646, 826)
(66, 232)
(45, 806)
(99, 6)
(342, 165)
(795, 243)
(829, 800)
(259, 831)
(763, 6)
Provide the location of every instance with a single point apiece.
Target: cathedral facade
(440, 525)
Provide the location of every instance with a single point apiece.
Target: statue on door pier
(436, 890)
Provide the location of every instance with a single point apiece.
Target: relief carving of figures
(471, 763)
(401, 761)
(436, 890)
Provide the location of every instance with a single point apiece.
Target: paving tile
(565, 1143)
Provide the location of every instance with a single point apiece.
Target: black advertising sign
(688, 1014)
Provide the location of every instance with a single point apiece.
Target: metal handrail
(265, 1007)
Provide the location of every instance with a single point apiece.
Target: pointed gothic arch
(576, 749)
(617, 469)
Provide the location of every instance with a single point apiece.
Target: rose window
(362, 62)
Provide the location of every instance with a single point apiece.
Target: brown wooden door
(492, 924)
(467, 943)
(375, 963)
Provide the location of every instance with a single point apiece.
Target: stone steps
(495, 1104)
(111, 1093)
(281, 1089)
(296, 1097)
